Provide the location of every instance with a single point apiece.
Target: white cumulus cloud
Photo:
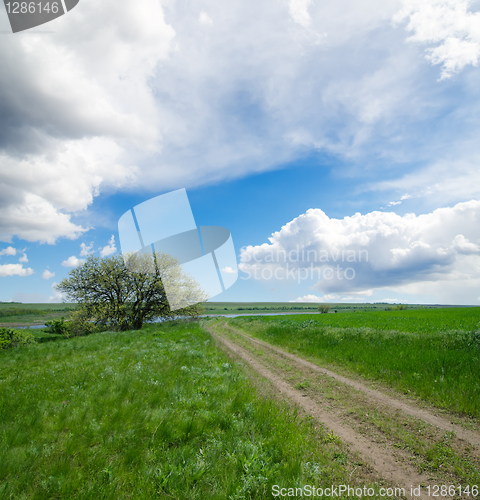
(8, 251)
(109, 249)
(361, 253)
(76, 101)
(122, 96)
(229, 270)
(447, 24)
(15, 270)
(35, 219)
(86, 250)
(313, 298)
(47, 274)
(73, 262)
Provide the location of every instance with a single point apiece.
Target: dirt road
(340, 403)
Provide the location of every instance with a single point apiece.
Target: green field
(163, 413)
(433, 354)
(30, 314)
(278, 307)
(156, 413)
(17, 314)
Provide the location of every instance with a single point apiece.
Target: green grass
(26, 314)
(49, 307)
(156, 413)
(411, 320)
(272, 307)
(433, 354)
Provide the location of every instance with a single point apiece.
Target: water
(159, 320)
(33, 327)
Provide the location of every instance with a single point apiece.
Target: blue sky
(334, 128)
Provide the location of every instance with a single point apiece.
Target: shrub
(59, 326)
(14, 338)
(79, 324)
(323, 308)
(399, 307)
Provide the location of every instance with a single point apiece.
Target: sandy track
(442, 423)
(395, 468)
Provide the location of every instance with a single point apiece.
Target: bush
(323, 308)
(58, 326)
(399, 307)
(79, 324)
(13, 338)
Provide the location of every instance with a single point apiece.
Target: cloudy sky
(337, 140)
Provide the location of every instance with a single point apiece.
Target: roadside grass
(425, 321)
(433, 449)
(432, 354)
(156, 413)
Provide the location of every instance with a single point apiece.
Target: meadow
(156, 413)
(433, 354)
(18, 314)
(282, 307)
(12, 314)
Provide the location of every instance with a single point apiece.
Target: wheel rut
(426, 416)
(394, 466)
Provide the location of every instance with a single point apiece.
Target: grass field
(273, 307)
(31, 314)
(17, 314)
(432, 354)
(163, 413)
(157, 413)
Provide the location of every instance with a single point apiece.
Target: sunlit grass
(157, 413)
(434, 354)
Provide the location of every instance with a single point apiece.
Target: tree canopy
(125, 295)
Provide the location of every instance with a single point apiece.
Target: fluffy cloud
(35, 219)
(8, 251)
(15, 270)
(73, 262)
(299, 11)
(313, 298)
(109, 249)
(71, 106)
(448, 24)
(229, 270)
(377, 250)
(38, 189)
(23, 258)
(86, 250)
(153, 96)
(47, 274)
